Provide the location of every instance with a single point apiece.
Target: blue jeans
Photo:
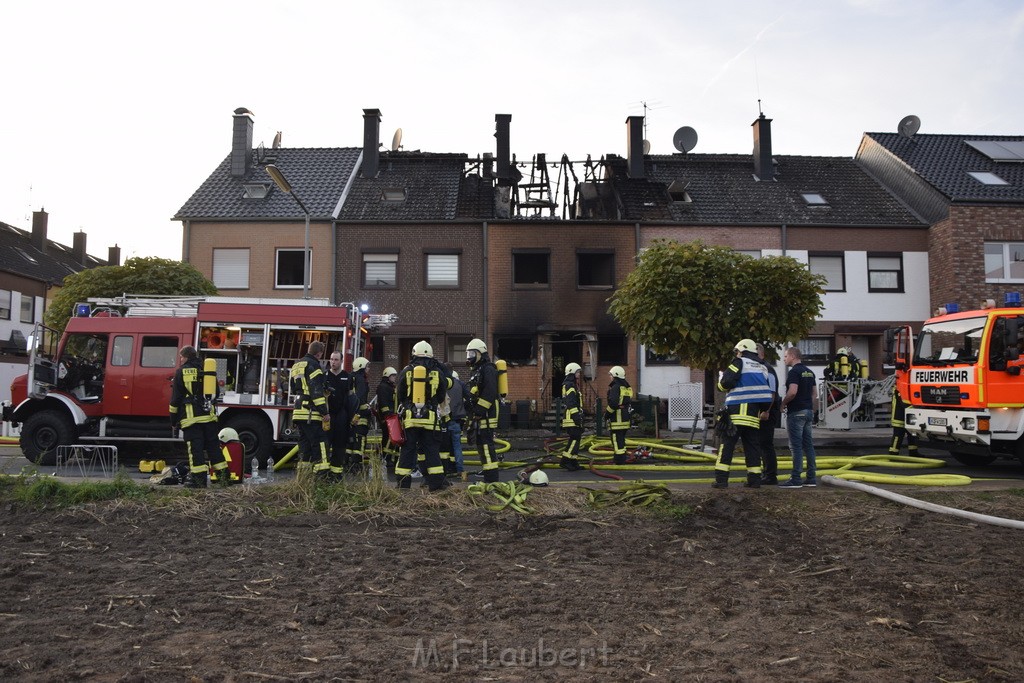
(455, 429)
(801, 443)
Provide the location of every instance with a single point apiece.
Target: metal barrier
(85, 459)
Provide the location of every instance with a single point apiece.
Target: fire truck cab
(962, 380)
(108, 377)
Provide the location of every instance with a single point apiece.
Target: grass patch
(31, 490)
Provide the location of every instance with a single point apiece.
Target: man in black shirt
(800, 403)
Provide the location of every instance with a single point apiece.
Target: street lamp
(275, 173)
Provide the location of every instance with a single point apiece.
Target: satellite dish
(647, 147)
(684, 139)
(396, 141)
(277, 141)
(909, 126)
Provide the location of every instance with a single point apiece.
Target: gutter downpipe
(334, 261)
(784, 245)
(485, 333)
(186, 239)
(639, 354)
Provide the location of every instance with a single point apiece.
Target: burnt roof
(943, 161)
(424, 187)
(318, 177)
(17, 255)
(724, 190)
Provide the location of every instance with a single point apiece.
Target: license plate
(937, 421)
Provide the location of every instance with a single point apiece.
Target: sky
(115, 112)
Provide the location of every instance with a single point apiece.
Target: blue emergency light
(1012, 298)
(952, 308)
(83, 310)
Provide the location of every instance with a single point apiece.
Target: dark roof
(944, 160)
(428, 182)
(19, 256)
(725, 191)
(476, 197)
(318, 177)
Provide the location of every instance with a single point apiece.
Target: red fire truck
(962, 380)
(107, 378)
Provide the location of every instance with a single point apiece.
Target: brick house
(970, 189)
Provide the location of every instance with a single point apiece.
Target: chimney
(635, 145)
(763, 167)
(241, 142)
(39, 220)
(501, 128)
(371, 142)
(78, 248)
(114, 255)
(488, 165)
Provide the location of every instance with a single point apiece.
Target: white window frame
(29, 302)
(5, 304)
(377, 265)
(443, 271)
(1011, 254)
(231, 268)
(881, 260)
(826, 267)
(277, 267)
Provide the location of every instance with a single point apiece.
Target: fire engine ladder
(171, 306)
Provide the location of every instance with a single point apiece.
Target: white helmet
(423, 349)
(572, 368)
(455, 374)
(227, 434)
(746, 345)
(538, 478)
(844, 351)
(474, 349)
(617, 372)
(359, 364)
(388, 371)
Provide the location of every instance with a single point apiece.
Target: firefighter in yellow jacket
(620, 399)
(482, 405)
(572, 417)
(192, 408)
(311, 413)
(422, 387)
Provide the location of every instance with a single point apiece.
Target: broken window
(611, 349)
(595, 269)
(514, 349)
(531, 268)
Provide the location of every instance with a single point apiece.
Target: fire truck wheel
(974, 460)
(256, 437)
(42, 433)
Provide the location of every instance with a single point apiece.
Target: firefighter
(422, 387)
(897, 418)
(619, 409)
(572, 417)
(844, 366)
(385, 408)
(360, 420)
(748, 395)
(311, 412)
(194, 411)
(339, 386)
(770, 420)
(233, 450)
(481, 403)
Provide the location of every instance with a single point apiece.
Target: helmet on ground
(227, 434)
(422, 349)
(388, 371)
(617, 372)
(359, 364)
(455, 374)
(538, 478)
(572, 368)
(746, 345)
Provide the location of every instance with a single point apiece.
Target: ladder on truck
(176, 306)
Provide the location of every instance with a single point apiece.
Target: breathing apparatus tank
(419, 385)
(209, 378)
(502, 367)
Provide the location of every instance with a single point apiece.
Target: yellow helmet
(617, 372)
(423, 349)
(388, 371)
(227, 434)
(359, 364)
(746, 345)
(572, 368)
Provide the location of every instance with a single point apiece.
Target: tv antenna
(684, 139)
(396, 141)
(909, 125)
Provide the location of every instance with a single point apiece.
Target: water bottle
(270, 469)
(255, 478)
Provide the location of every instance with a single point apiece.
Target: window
(442, 270)
(831, 266)
(457, 350)
(159, 352)
(753, 253)
(231, 268)
(380, 270)
(611, 349)
(653, 358)
(885, 272)
(986, 178)
(531, 268)
(814, 350)
(290, 268)
(27, 256)
(595, 269)
(376, 350)
(1004, 261)
(814, 199)
(518, 350)
(122, 354)
(393, 194)
(28, 309)
(5, 304)
(255, 190)
(677, 192)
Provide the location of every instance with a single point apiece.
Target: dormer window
(255, 190)
(677, 192)
(27, 256)
(393, 194)
(814, 199)
(986, 178)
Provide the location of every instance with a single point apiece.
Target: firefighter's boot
(753, 480)
(571, 464)
(491, 476)
(197, 480)
(721, 480)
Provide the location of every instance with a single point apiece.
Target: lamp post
(275, 173)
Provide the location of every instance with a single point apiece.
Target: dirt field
(812, 585)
